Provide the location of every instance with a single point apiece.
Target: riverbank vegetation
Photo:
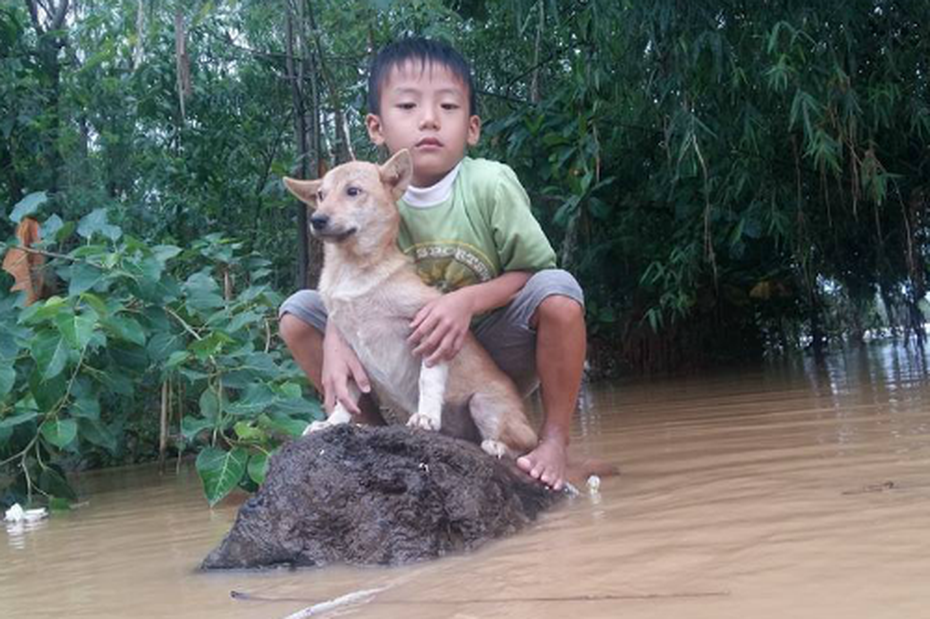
(726, 179)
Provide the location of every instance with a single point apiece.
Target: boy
(467, 224)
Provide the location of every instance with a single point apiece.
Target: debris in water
(18, 514)
(356, 597)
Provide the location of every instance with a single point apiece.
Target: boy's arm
(340, 365)
(439, 328)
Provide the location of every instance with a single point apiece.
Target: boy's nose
(429, 120)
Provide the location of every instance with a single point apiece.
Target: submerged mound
(387, 495)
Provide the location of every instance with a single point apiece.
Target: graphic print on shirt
(450, 265)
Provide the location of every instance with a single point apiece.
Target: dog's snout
(319, 221)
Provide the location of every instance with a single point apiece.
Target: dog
(372, 293)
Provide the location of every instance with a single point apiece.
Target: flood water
(791, 490)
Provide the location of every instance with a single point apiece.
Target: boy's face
(424, 108)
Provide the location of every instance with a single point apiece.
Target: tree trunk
(295, 77)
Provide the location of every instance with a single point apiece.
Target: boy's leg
(302, 323)
(539, 340)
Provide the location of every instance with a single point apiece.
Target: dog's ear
(397, 172)
(305, 191)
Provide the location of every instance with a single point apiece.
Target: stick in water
(343, 600)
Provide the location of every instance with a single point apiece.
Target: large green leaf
(220, 471)
(95, 222)
(256, 399)
(59, 432)
(84, 276)
(28, 205)
(76, 329)
(50, 351)
(125, 328)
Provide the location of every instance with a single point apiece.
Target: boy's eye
(406, 106)
(450, 106)
(353, 191)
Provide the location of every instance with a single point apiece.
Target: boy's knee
(301, 311)
(559, 309)
(562, 297)
(292, 328)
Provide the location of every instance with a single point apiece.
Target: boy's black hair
(424, 51)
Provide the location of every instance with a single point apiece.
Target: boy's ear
(397, 172)
(305, 191)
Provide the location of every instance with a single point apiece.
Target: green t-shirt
(483, 228)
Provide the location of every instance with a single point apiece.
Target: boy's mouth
(429, 143)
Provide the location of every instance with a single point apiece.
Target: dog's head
(354, 204)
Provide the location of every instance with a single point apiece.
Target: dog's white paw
(316, 426)
(494, 448)
(419, 420)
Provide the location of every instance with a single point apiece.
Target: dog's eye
(319, 196)
(353, 191)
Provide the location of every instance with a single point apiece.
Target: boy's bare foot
(546, 463)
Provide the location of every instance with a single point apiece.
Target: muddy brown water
(792, 490)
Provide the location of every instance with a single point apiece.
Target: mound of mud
(386, 495)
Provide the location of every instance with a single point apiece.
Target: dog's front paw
(494, 448)
(316, 426)
(419, 420)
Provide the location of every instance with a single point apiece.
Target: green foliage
(81, 371)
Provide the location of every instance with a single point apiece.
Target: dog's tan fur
(372, 293)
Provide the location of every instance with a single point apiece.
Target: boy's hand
(340, 364)
(440, 327)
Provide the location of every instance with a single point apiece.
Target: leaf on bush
(279, 422)
(192, 426)
(247, 432)
(50, 351)
(256, 399)
(28, 205)
(59, 432)
(97, 304)
(96, 222)
(209, 404)
(54, 482)
(164, 253)
(98, 433)
(47, 393)
(177, 358)
(86, 407)
(7, 380)
(52, 227)
(258, 467)
(220, 471)
(76, 329)
(15, 420)
(84, 276)
(26, 267)
(210, 345)
(125, 328)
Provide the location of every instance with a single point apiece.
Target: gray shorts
(505, 333)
